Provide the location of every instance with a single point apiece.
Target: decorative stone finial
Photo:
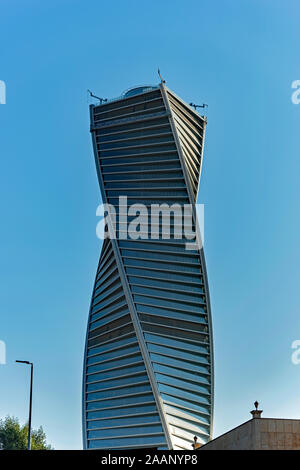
(196, 444)
(256, 413)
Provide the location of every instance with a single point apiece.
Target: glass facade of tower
(148, 366)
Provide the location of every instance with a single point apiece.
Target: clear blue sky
(240, 57)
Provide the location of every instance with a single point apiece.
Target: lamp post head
(26, 362)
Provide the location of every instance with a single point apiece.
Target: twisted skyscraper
(148, 366)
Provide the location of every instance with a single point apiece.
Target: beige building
(259, 434)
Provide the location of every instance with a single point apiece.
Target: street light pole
(30, 402)
(30, 407)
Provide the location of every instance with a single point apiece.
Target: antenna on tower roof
(204, 105)
(162, 80)
(102, 100)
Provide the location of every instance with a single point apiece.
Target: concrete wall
(260, 434)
